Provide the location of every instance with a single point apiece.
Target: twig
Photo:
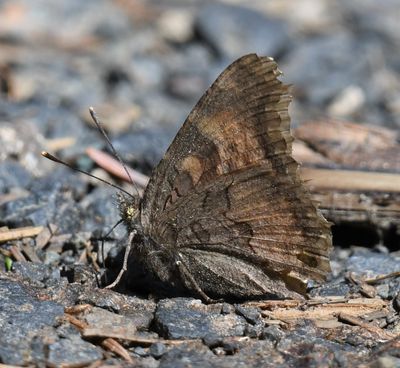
(132, 338)
(112, 166)
(351, 180)
(22, 232)
(17, 254)
(377, 279)
(347, 318)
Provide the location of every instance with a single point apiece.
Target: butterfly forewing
(227, 195)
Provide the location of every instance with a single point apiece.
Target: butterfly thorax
(129, 211)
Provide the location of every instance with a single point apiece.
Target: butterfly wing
(227, 195)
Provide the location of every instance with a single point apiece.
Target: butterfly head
(129, 210)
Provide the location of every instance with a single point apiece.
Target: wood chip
(45, 236)
(108, 343)
(116, 348)
(356, 307)
(77, 309)
(351, 145)
(328, 324)
(17, 254)
(273, 304)
(22, 232)
(30, 253)
(365, 289)
(375, 315)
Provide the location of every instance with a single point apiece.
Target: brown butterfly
(225, 213)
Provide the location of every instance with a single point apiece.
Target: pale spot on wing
(225, 132)
(193, 165)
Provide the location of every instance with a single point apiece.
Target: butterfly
(225, 213)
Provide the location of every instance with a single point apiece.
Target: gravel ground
(143, 65)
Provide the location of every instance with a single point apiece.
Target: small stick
(352, 320)
(22, 232)
(113, 166)
(115, 347)
(325, 179)
(17, 254)
(375, 280)
(132, 338)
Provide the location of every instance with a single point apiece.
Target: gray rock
(256, 330)
(157, 350)
(233, 31)
(273, 334)
(371, 264)
(141, 352)
(212, 340)
(394, 287)
(49, 202)
(13, 175)
(196, 355)
(101, 213)
(252, 315)
(109, 321)
(37, 274)
(22, 317)
(73, 350)
(138, 311)
(333, 288)
(322, 67)
(184, 318)
(146, 147)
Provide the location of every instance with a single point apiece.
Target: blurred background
(144, 64)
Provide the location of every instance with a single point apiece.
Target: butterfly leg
(188, 278)
(125, 263)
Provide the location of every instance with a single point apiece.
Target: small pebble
(157, 350)
(254, 331)
(272, 333)
(396, 302)
(230, 347)
(141, 352)
(212, 340)
(252, 315)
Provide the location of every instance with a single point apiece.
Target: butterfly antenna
(59, 161)
(103, 132)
